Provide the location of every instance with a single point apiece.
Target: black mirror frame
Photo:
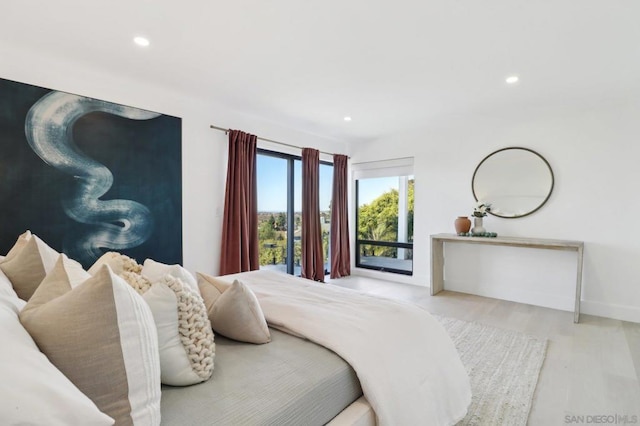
(524, 149)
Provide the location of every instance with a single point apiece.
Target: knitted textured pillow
(186, 341)
(118, 263)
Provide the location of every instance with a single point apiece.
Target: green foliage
(266, 232)
(378, 221)
(272, 236)
(281, 222)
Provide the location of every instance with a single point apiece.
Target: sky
(272, 185)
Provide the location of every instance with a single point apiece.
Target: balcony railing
(387, 256)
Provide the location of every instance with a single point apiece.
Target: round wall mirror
(515, 181)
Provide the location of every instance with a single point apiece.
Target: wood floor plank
(591, 368)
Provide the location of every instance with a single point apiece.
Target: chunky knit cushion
(119, 263)
(185, 337)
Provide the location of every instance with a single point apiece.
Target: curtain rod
(269, 140)
(385, 160)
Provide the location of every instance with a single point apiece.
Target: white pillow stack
(100, 334)
(97, 344)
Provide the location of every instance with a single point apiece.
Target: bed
(289, 381)
(336, 356)
(408, 367)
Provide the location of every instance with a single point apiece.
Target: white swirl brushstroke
(115, 224)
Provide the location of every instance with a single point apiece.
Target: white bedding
(408, 367)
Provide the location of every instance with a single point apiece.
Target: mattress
(289, 381)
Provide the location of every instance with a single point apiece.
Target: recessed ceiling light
(347, 118)
(512, 79)
(141, 41)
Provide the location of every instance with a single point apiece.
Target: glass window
(272, 212)
(280, 210)
(384, 239)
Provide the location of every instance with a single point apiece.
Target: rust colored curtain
(312, 261)
(340, 250)
(240, 222)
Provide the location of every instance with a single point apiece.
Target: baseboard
(389, 276)
(587, 307)
(609, 310)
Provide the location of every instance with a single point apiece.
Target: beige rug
(503, 368)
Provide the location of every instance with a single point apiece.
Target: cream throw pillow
(28, 265)
(211, 288)
(101, 335)
(235, 311)
(19, 244)
(185, 338)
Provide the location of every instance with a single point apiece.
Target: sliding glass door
(280, 210)
(273, 212)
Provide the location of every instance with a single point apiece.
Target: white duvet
(408, 367)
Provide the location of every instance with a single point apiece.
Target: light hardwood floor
(591, 368)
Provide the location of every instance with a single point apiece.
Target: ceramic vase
(462, 224)
(477, 226)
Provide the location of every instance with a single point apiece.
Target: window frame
(394, 244)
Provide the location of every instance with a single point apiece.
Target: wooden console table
(437, 256)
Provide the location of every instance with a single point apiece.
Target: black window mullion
(290, 216)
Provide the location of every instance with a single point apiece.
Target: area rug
(503, 367)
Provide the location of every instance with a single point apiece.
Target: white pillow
(33, 390)
(185, 338)
(7, 292)
(28, 265)
(101, 335)
(156, 271)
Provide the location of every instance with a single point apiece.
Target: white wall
(204, 150)
(595, 157)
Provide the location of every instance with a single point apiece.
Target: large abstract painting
(89, 176)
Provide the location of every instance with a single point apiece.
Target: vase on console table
(477, 226)
(462, 224)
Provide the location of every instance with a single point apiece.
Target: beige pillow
(234, 312)
(101, 335)
(185, 338)
(28, 266)
(210, 288)
(19, 245)
(118, 263)
(34, 391)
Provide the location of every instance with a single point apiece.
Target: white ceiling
(388, 64)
